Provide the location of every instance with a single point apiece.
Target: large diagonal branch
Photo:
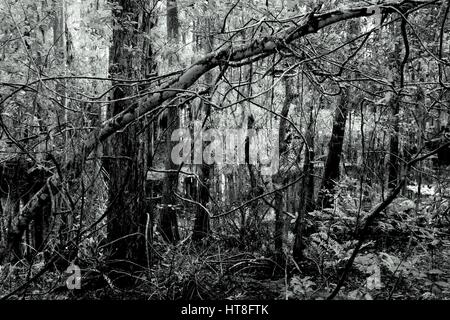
(255, 50)
(259, 48)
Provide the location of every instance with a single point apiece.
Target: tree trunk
(279, 181)
(394, 148)
(331, 171)
(307, 190)
(394, 144)
(127, 217)
(61, 54)
(168, 226)
(169, 221)
(202, 224)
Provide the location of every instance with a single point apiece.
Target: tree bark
(201, 223)
(279, 180)
(168, 226)
(126, 217)
(168, 220)
(331, 170)
(394, 148)
(398, 66)
(307, 190)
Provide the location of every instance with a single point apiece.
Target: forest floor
(430, 280)
(422, 272)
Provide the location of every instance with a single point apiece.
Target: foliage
(378, 79)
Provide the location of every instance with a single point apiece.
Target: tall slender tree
(307, 188)
(335, 146)
(281, 177)
(127, 216)
(201, 223)
(169, 221)
(398, 75)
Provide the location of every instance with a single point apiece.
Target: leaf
(389, 261)
(301, 286)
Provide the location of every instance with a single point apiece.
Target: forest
(209, 150)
